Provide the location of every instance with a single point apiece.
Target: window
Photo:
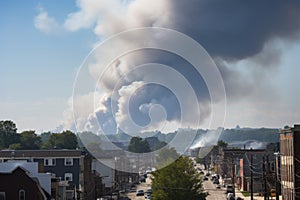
(68, 161)
(50, 162)
(2, 196)
(68, 177)
(21, 194)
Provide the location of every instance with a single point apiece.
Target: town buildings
(71, 170)
(17, 184)
(290, 162)
(239, 167)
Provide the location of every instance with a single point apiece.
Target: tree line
(11, 139)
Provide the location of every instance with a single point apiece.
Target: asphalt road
(214, 193)
(142, 186)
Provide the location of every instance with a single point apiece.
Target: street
(142, 186)
(214, 194)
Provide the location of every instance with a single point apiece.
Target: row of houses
(275, 168)
(63, 174)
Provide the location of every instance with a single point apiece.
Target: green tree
(138, 145)
(160, 145)
(179, 181)
(30, 140)
(222, 144)
(166, 156)
(15, 146)
(69, 140)
(64, 140)
(45, 136)
(8, 134)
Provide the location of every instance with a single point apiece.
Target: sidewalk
(239, 194)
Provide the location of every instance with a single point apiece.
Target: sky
(47, 64)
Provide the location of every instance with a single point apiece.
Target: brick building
(17, 184)
(290, 163)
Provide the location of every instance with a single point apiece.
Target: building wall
(88, 178)
(80, 169)
(290, 163)
(60, 169)
(297, 161)
(104, 170)
(18, 180)
(32, 169)
(243, 182)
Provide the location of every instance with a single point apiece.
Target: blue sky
(38, 68)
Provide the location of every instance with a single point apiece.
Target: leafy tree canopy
(27, 140)
(138, 145)
(179, 180)
(8, 134)
(64, 140)
(166, 156)
(222, 144)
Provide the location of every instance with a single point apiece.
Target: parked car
(218, 186)
(273, 193)
(230, 196)
(229, 189)
(140, 193)
(205, 178)
(142, 179)
(149, 190)
(147, 195)
(216, 181)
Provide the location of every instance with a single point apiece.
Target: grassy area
(246, 194)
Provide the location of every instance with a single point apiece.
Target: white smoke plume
(230, 31)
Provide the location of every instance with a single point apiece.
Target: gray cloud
(230, 31)
(235, 29)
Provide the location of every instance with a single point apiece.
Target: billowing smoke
(249, 144)
(207, 139)
(230, 31)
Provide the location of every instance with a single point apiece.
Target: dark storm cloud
(235, 29)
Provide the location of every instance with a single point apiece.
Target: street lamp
(277, 154)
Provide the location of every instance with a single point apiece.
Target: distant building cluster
(269, 172)
(65, 174)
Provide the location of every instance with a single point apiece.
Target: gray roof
(40, 153)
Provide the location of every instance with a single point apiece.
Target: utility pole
(267, 175)
(251, 175)
(264, 178)
(233, 175)
(276, 176)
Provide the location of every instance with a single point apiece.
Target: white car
(230, 196)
